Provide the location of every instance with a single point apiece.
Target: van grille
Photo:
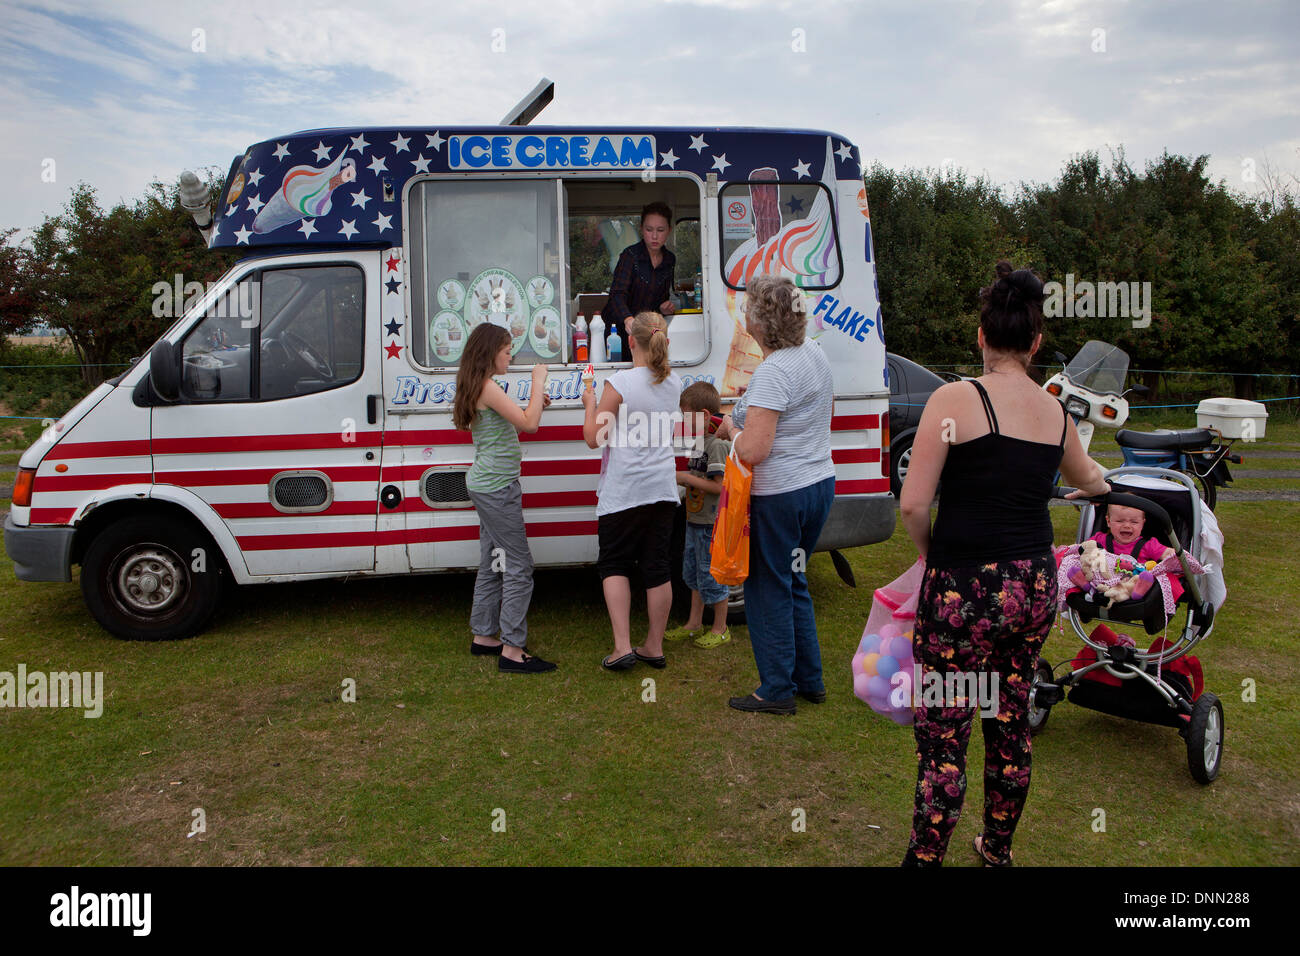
(297, 492)
(445, 488)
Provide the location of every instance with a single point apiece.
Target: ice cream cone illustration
(803, 249)
(306, 192)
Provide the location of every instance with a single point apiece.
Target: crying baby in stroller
(1122, 563)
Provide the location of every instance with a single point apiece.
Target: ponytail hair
(651, 333)
(1011, 309)
(476, 366)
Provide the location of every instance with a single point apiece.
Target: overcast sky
(120, 93)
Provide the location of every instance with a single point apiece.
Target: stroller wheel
(1038, 713)
(1205, 738)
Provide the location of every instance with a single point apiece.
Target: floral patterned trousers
(987, 620)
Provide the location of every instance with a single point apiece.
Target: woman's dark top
(993, 498)
(636, 287)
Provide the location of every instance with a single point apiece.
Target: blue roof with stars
(344, 186)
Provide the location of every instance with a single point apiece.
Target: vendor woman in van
(643, 278)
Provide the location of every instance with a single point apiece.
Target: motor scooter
(1200, 453)
(1091, 387)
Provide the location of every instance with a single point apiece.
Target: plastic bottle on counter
(597, 332)
(614, 345)
(580, 340)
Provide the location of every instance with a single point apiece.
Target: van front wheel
(151, 579)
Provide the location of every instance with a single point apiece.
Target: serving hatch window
(773, 227)
(486, 251)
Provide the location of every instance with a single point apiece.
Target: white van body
(295, 422)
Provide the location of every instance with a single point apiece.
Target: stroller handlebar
(1150, 508)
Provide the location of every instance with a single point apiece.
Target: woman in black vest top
(988, 597)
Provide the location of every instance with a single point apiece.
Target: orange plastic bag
(729, 556)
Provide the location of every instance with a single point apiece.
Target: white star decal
(801, 169)
(254, 177)
(669, 159)
(720, 163)
(384, 222)
(359, 144)
(844, 152)
(349, 228)
(322, 152)
(307, 228)
(281, 150)
(436, 140)
(399, 144)
(242, 234)
(421, 164)
(377, 166)
(359, 198)
(698, 144)
(255, 204)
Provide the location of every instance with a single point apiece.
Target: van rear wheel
(151, 579)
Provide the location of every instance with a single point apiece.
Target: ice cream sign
(532, 151)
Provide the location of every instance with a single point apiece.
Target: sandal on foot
(985, 858)
(626, 662)
(682, 633)
(713, 638)
(659, 662)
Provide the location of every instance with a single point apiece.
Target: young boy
(703, 481)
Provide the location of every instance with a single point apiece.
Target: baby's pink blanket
(1069, 561)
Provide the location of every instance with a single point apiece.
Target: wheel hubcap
(903, 460)
(1213, 738)
(149, 581)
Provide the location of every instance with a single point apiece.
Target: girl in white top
(637, 494)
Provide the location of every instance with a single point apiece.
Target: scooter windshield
(1099, 367)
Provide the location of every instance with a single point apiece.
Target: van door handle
(372, 409)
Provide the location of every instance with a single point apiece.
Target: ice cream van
(296, 422)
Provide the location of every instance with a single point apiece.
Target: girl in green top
(504, 585)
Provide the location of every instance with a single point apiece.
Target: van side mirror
(165, 370)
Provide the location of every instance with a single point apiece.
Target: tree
(937, 238)
(92, 273)
(17, 301)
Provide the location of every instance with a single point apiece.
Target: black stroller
(1161, 685)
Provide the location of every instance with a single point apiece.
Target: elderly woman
(785, 417)
(988, 596)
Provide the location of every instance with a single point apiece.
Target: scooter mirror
(1060, 357)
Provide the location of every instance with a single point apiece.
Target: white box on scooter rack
(1230, 415)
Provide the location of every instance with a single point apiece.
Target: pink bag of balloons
(882, 665)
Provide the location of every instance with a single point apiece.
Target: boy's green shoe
(682, 633)
(710, 639)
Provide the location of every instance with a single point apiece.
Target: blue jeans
(696, 558)
(782, 629)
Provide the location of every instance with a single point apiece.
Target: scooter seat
(1166, 439)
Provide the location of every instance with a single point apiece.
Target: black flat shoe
(624, 663)
(660, 662)
(813, 696)
(752, 705)
(479, 649)
(529, 665)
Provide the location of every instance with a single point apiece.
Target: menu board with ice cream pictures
(447, 337)
(498, 297)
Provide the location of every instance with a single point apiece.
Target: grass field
(247, 723)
